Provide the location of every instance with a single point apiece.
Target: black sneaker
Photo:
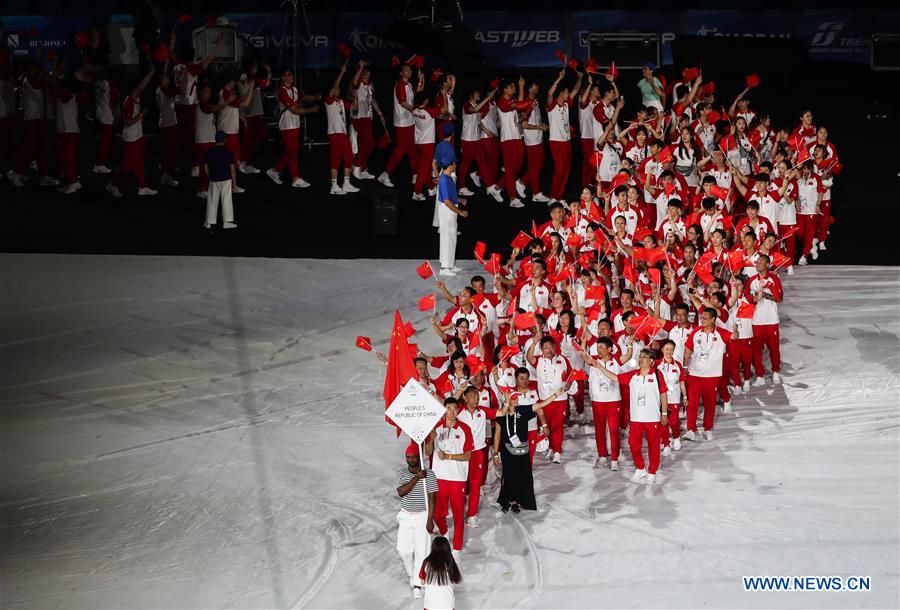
(515, 508)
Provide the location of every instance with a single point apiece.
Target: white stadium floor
(200, 432)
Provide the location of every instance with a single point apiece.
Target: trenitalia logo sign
(518, 38)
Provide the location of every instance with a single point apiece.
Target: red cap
(412, 448)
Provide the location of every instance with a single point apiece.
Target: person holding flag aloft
(553, 373)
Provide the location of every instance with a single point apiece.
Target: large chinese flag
(400, 366)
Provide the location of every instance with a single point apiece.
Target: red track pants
(488, 157)
(469, 154)
(674, 426)
(168, 149)
(562, 160)
(404, 146)
(68, 155)
(825, 206)
(808, 225)
(789, 245)
(766, 336)
(132, 162)
(555, 414)
(513, 157)
(606, 416)
(341, 153)
(535, 156)
(701, 388)
(291, 153)
(104, 145)
(365, 141)
(34, 146)
(424, 153)
(636, 433)
(477, 470)
(741, 358)
(452, 495)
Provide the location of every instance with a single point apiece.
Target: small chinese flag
(524, 320)
(746, 310)
(408, 330)
(395, 61)
(613, 71)
(480, 249)
(595, 293)
(364, 343)
(521, 240)
(803, 155)
(577, 375)
(719, 192)
(184, 18)
(509, 351)
(751, 81)
(560, 55)
(424, 270)
(427, 302)
(344, 50)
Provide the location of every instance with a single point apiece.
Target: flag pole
(425, 480)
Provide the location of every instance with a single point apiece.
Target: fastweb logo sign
(517, 38)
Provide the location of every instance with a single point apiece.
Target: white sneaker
(48, 181)
(238, 190)
(822, 247)
(516, 203)
(365, 175)
(614, 465)
(815, 242)
(275, 176)
(33, 166)
(520, 189)
(495, 192)
(357, 173)
(249, 169)
(475, 179)
(414, 177)
(101, 169)
(790, 270)
(814, 253)
(336, 190)
(229, 225)
(726, 407)
(466, 192)
(195, 171)
(759, 381)
(168, 180)
(600, 462)
(689, 436)
(385, 179)
(432, 192)
(802, 262)
(676, 444)
(650, 479)
(455, 268)
(146, 190)
(447, 272)
(417, 592)
(418, 197)
(540, 198)
(206, 225)
(300, 183)
(638, 475)
(667, 451)
(735, 390)
(709, 435)
(472, 521)
(746, 386)
(776, 378)
(202, 194)
(68, 189)
(557, 458)
(349, 188)
(455, 554)
(113, 190)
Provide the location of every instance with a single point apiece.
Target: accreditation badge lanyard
(704, 346)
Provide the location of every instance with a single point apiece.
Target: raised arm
(551, 92)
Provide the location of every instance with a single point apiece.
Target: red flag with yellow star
(400, 365)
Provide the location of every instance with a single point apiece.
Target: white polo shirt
(457, 439)
(645, 394)
(604, 389)
(766, 309)
(477, 423)
(551, 374)
(673, 373)
(708, 350)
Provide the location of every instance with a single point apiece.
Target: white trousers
(220, 190)
(447, 229)
(413, 543)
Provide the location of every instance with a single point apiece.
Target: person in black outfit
(511, 444)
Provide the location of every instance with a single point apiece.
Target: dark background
(858, 106)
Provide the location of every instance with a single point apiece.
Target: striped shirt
(414, 501)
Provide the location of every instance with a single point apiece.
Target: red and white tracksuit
(704, 373)
(133, 145)
(289, 127)
(404, 129)
(362, 124)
